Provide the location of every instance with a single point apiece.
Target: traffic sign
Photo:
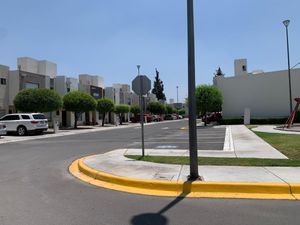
(141, 85)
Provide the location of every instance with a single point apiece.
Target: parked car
(136, 118)
(180, 117)
(170, 117)
(23, 123)
(156, 118)
(2, 129)
(213, 117)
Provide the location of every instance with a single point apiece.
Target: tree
(219, 72)
(156, 108)
(181, 112)
(158, 88)
(170, 109)
(104, 106)
(208, 99)
(135, 109)
(78, 102)
(120, 110)
(37, 100)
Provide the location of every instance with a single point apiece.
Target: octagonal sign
(141, 85)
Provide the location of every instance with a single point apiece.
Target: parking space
(209, 138)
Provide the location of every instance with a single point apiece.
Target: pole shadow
(158, 218)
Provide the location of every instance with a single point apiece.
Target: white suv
(23, 123)
(2, 129)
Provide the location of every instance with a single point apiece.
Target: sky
(110, 37)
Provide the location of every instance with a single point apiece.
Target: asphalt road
(36, 188)
(171, 137)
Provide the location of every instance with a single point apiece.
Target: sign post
(141, 85)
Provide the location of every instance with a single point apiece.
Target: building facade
(266, 94)
(4, 73)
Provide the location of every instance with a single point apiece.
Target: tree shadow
(158, 218)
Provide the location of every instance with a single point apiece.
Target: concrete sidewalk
(114, 171)
(116, 163)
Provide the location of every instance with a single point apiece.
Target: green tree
(37, 100)
(135, 109)
(170, 109)
(156, 108)
(104, 106)
(120, 110)
(181, 112)
(78, 102)
(158, 88)
(208, 99)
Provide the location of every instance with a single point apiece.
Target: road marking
(165, 128)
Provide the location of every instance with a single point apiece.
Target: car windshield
(39, 117)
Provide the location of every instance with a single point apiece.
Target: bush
(156, 108)
(104, 106)
(135, 109)
(121, 110)
(37, 100)
(234, 121)
(78, 102)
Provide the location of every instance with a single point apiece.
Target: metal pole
(177, 94)
(191, 94)
(142, 111)
(289, 68)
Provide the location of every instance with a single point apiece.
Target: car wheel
(21, 130)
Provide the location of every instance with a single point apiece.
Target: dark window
(57, 113)
(25, 117)
(244, 68)
(68, 89)
(3, 81)
(10, 117)
(39, 117)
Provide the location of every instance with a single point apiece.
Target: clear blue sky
(110, 37)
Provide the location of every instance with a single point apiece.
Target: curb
(194, 189)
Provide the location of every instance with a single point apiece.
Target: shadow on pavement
(158, 218)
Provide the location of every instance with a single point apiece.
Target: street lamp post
(194, 175)
(286, 24)
(177, 95)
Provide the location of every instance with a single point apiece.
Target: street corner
(83, 170)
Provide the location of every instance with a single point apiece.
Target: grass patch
(287, 144)
(218, 161)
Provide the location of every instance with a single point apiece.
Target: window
(244, 68)
(31, 85)
(10, 117)
(3, 81)
(25, 117)
(39, 117)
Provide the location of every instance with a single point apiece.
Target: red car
(156, 118)
(136, 118)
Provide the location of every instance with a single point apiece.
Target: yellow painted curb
(186, 189)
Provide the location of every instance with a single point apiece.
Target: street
(37, 189)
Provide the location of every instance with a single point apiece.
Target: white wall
(95, 80)
(60, 85)
(13, 86)
(43, 67)
(266, 94)
(47, 68)
(28, 64)
(4, 71)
